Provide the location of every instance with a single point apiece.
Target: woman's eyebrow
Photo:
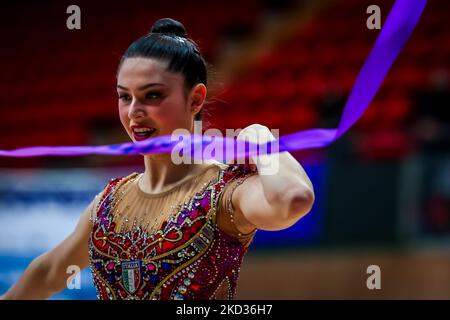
(145, 86)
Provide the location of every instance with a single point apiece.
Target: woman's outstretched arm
(278, 196)
(47, 274)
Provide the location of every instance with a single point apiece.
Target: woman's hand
(257, 134)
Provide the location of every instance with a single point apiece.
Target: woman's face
(152, 101)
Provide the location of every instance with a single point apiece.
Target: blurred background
(382, 190)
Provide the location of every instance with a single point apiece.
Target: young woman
(174, 231)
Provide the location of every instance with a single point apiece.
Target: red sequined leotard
(189, 255)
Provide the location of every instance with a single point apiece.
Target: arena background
(382, 190)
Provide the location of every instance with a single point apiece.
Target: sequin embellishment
(189, 257)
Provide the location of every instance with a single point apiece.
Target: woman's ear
(198, 98)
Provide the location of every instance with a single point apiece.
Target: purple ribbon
(398, 27)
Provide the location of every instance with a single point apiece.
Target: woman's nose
(136, 110)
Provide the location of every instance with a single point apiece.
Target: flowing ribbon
(398, 27)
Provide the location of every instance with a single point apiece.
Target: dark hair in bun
(168, 41)
(170, 27)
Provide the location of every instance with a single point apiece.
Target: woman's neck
(161, 173)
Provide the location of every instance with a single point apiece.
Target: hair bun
(170, 27)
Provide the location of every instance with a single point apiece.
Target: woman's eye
(152, 95)
(124, 97)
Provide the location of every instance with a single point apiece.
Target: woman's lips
(139, 136)
(142, 137)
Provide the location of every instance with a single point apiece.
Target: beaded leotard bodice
(187, 257)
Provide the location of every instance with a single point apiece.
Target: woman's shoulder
(234, 171)
(110, 186)
(226, 172)
(114, 183)
(121, 178)
(233, 167)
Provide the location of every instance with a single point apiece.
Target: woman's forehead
(135, 72)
